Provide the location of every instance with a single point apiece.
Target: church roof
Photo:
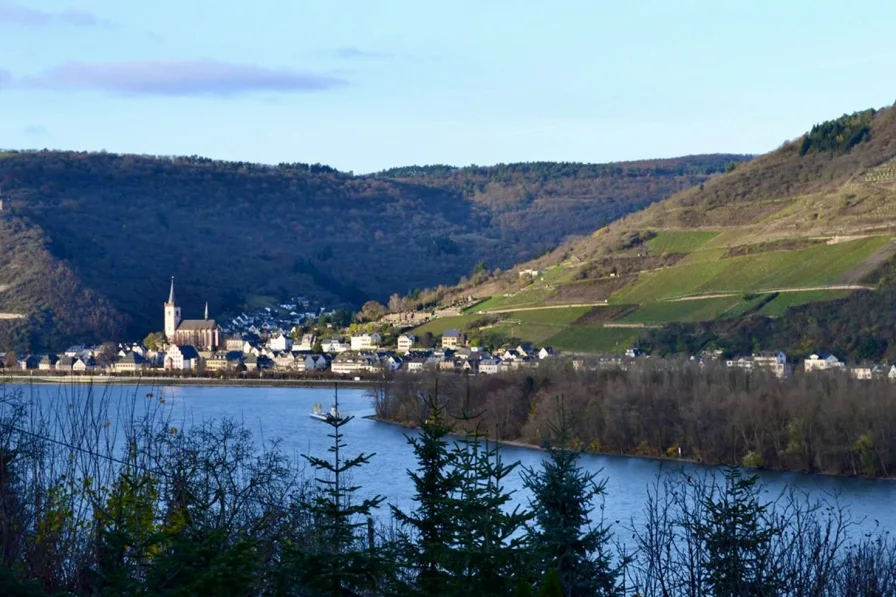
(171, 292)
(189, 325)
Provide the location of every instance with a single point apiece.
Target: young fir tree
(551, 585)
(341, 563)
(736, 536)
(491, 550)
(563, 538)
(428, 533)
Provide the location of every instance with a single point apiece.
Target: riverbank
(153, 380)
(661, 459)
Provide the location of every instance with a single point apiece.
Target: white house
(406, 343)
(822, 363)
(490, 366)
(182, 358)
(860, 372)
(83, 365)
(132, 362)
(334, 345)
(545, 353)
(280, 342)
(366, 341)
(452, 338)
(892, 374)
(347, 363)
(317, 362)
(307, 343)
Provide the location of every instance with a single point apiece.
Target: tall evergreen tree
(428, 533)
(564, 539)
(491, 546)
(737, 534)
(341, 563)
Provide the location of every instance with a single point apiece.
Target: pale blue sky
(367, 84)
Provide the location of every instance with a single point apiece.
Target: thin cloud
(182, 78)
(35, 129)
(349, 53)
(13, 12)
(5, 78)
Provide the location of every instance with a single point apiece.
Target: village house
(224, 361)
(892, 373)
(406, 343)
(181, 358)
(545, 353)
(48, 362)
(490, 366)
(452, 338)
(348, 363)
(366, 341)
(307, 343)
(84, 365)
(334, 345)
(280, 342)
(390, 361)
(132, 362)
(287, 361)
(30, 361)
(314, 362)
(65, 364)
(822, 363)
(863, 372)
(414, 364)
(233, 343)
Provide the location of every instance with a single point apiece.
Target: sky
(365, 85)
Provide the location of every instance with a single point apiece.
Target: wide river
(283, 413)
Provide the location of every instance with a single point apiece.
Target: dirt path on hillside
(566, 306)
(870, 264)
(700, 297)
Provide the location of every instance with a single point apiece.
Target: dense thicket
(817, 423)
(231, 231)
(840, 135)
(105, 498)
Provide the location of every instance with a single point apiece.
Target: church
(204, 334)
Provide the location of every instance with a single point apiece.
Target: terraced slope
(809, 222)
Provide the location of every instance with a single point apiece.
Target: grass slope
(775, 234)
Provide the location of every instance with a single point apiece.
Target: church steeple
(206, 310)
(172, 315)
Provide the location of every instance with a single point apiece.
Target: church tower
(172, 315)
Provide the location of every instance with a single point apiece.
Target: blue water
(271, 412)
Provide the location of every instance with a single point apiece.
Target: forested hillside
(736, 261)
(120, 225)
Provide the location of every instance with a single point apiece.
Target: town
(298, 342)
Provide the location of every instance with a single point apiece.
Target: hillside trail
(542, 308)
(695, 297)
(700, 297)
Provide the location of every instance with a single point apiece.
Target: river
(277, 412)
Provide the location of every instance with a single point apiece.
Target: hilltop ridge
(238, 234)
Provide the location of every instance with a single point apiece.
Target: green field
(679, 241)
(594, 338)
(562, 316)
(814, 266)
(437, 327)
(785, 300)
(699, 310)
(531, 295)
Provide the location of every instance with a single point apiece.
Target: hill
(116, 227)
(811, 221)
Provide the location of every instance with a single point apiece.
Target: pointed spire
(171, 293)
(206, 310)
